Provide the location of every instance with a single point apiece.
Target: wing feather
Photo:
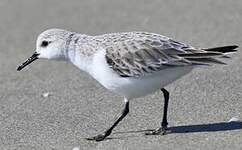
(140, 54)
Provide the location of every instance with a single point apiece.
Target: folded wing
(142, 56)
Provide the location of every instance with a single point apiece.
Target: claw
(97, 138)
(158, 131)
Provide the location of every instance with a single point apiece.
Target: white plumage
(131, 64)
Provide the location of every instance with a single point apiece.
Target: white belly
(138, 87)
(131, 87)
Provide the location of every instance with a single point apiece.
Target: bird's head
(50, 44)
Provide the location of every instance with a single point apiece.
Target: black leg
(164, 123)
(102, 136)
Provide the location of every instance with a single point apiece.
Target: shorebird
(130, 64)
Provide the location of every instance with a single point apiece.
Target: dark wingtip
(232, 46)
(223, 49)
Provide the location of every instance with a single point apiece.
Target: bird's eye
(44, 43)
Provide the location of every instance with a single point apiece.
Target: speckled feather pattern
(135, 54)
(139, 53)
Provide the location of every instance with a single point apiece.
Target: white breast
(130, 87)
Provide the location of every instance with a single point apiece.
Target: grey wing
(140, 57)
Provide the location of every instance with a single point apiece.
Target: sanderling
(131, 64)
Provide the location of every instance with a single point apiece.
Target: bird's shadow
(213, 127)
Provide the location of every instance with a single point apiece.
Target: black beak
(28, 61)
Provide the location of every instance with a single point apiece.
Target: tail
(211, 55)
(224, 49)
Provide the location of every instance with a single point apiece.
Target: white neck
(79, 60)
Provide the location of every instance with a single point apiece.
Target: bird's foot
(99, 137)
(158, 131)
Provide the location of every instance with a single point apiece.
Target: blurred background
(78, 107)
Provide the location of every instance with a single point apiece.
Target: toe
(158, 131)
(99, 137)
